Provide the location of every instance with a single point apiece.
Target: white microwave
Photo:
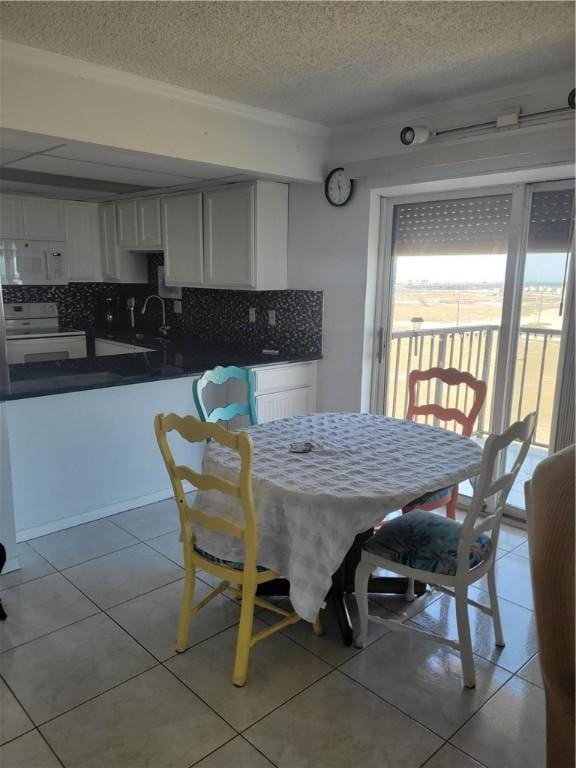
(32, 262)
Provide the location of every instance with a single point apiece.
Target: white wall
(327, 250)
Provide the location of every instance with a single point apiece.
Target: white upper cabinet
(119, 266)
(43, 219)
(229, 237)
(33, 218)
(127, 224)
(183, 245)
(149, 223)
(246, 236)
(11, 223)
(139, 224)
(83, 242)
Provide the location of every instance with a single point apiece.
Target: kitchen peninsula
(81, 442)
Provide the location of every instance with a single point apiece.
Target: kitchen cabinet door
(285, 390)
(229, 252)
(110, 254)
(43, 219)
(149, 223)
(11, 224)
(127, 224)
(280, 405)
(83, 242)
(183, 244)
(119, 266)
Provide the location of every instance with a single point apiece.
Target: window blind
(468, 226)
(550, 218)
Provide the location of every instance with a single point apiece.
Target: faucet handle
(164, 329)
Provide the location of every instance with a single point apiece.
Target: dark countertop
(172, 358)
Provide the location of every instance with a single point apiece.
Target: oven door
(39, 350)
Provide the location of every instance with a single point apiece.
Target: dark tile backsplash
(214, 315)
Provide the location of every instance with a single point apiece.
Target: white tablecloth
(311, 506)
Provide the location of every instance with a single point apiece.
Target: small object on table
(300, 447)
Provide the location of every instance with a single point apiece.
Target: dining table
(315, 509)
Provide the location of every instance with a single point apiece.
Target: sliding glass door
(475, 282)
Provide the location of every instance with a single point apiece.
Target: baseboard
(87, 517)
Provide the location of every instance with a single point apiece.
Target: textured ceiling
(331, 62)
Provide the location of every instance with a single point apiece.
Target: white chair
(446, 553)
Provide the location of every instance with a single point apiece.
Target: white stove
(34, 334)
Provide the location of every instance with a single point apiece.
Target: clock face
(338, 187)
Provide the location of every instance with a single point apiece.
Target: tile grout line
(50, 747)
(475, 653)
(98, 695)
(481, 708)
(237, 736)
(91, 559)
(198, 696)
(448, 744)
(99, 609)
(231, 739)
(510, 676)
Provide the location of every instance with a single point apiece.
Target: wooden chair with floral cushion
(447, 554)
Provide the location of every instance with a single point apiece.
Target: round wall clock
(338, 187)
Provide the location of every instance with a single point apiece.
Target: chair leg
(244, 641)
(410, 594)
(464, 639)
(451, 506)
(498, 634)
(317, 627)
(361, 577)
(186, 610)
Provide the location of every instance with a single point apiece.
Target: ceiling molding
(99, 73)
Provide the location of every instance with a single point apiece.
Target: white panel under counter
(81, 456)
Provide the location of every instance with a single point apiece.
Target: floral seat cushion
(237, 566)
(426, 541)
(431, 500)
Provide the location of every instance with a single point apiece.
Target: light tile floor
(89, 676)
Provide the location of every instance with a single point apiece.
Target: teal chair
(221, 375)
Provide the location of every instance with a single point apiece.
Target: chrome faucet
(163, 328)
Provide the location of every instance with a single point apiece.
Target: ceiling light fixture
(419, 134)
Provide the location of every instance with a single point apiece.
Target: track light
(417, 134)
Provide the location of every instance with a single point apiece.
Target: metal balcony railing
(474, 349)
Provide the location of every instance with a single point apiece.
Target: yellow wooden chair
(247, 575)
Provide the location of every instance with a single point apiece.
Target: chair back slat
(222, 375)
(207, 482)
(195, 431)
(488, 487)
(450, 377)
(215, 524)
